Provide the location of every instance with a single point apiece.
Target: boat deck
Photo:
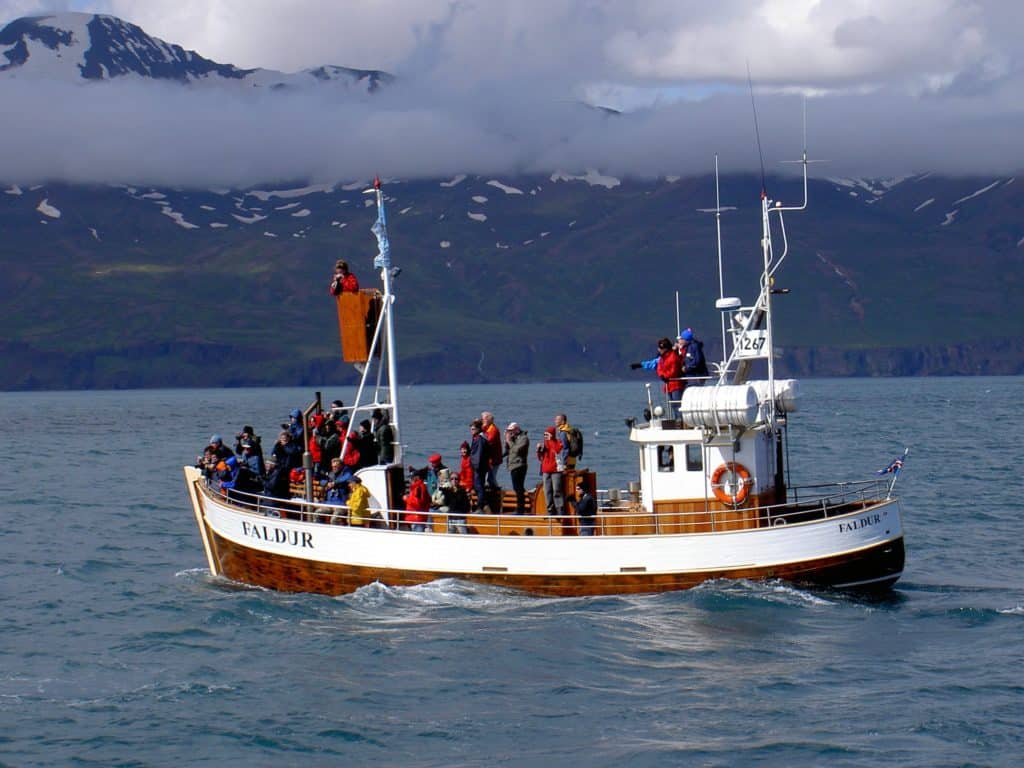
(620, 513)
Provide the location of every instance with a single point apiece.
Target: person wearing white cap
(517, 449)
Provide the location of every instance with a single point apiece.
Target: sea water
(118, 648)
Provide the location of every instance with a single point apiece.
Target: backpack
(575, 442)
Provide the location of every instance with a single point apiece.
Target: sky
(890, 87)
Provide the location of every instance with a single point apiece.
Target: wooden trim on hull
(874, 568)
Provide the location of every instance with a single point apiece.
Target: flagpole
(896, 475)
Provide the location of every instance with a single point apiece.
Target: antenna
(718, 210)
(757, 130)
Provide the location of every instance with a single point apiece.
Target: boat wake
(774, 591)
(443, 593)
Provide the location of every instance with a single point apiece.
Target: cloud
(494, 88)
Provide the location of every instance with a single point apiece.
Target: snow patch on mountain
(48, 210)
(592, 177)
(14, 189)
(877, 188)
(981, 191)
(925, 204)
(504, 187)
(455, 181)
(176, 217)
(289, 194)
(217, 225)
(477, 216)
(248, 219)
(479, 199)
(302, 214)
(949, 217)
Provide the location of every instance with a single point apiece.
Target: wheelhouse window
(666, 458)
(694, 458)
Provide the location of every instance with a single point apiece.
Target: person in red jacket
(417, 503)
(343, 281)
(465, 468)
(549, 452)
(669, 367)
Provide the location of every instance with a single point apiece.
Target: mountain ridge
(75, 47)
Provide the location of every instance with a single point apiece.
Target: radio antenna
(757, 130)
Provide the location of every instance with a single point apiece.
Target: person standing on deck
(365, 444)
(564, 430)
(287, 455)
(586, 509)
(417, 504)
(358, 503)
(465, 477)
(669, 368)
(691, 356)
(548, 452)
(479, 458)
(383, 437)
(494, 452)
(517, 449)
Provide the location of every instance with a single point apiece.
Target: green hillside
(563, 281)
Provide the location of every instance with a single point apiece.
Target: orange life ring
(741, 483)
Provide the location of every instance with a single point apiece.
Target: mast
(382, 261)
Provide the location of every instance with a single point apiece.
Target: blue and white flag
(894, 467)
(380, 228)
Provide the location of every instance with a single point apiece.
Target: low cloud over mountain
(92, 99)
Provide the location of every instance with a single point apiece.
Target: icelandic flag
(380, 228)
(894, 467)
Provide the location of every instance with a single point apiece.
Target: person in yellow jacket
(358, 503)
(567, 460)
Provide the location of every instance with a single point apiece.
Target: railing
(621, 513)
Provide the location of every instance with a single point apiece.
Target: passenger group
(338, 451)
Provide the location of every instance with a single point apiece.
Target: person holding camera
(549, 453)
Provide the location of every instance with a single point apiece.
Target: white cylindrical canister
(786, 392)
(722, 406)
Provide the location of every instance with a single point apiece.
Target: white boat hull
(858, 549)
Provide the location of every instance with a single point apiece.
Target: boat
(711, 499)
